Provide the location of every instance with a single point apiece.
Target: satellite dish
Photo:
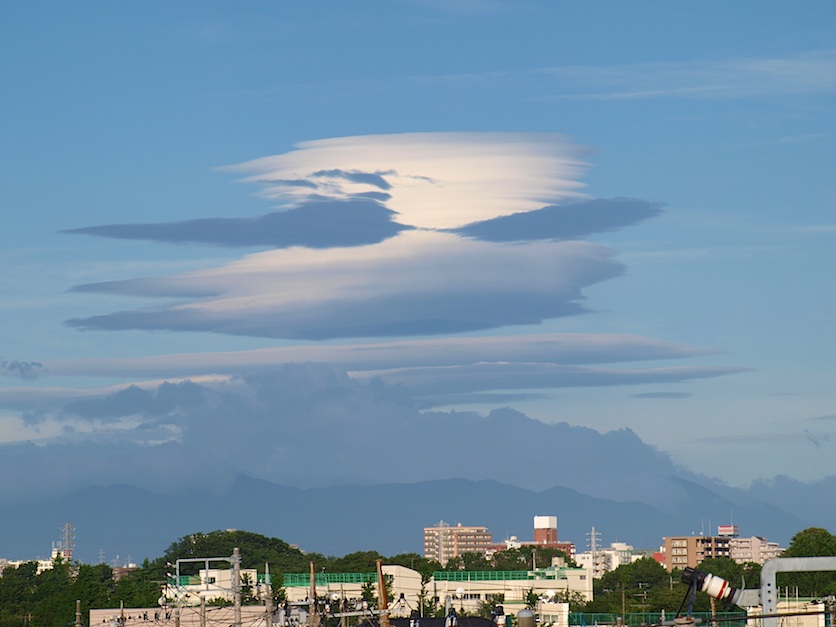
(549, 594)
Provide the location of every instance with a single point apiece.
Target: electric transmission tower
(67, 541)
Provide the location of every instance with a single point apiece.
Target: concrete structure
(800, 613)
(404, 585)
(208, 584)
(754, 549)
(443, 542)
(172, 617)
(552, 614)
(465, 590)
(682, 551)
(607, 559)
(545, 535)
(545, 529)
(57, 552)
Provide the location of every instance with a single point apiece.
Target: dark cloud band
(563, 222)
(322, 224)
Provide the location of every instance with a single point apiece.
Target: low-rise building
(209, 584)
(461, 589)
(468, 589)
(605, 560)
(346, 589)
(58, 552)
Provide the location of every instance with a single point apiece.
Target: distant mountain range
(122, 522)
(305, 454)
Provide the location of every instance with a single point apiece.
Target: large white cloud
(460, 259)
(418, 283)
(432, 180)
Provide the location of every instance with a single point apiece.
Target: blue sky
(673, 164)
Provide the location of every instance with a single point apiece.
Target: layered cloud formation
(387, 236)
(306, 425)
(378, 254)
(380, 238)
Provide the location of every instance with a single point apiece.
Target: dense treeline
(29, 599)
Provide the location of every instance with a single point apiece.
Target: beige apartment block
(443, 542)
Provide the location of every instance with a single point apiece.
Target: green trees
(17, 587)
(522, 558)
(256, 550)
(811, 542)
(644, 585)
(48, 599)
(488, 607)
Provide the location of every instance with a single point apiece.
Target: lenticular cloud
(431, 180)
(430, 274)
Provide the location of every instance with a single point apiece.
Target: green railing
(184, 580)
(293, 580)
(723, 619)
(496, 575)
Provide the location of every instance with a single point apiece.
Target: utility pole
(78, 613)
(236, 583)
(268, 597)
(383, 599)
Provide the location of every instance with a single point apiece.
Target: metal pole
(314, 610)
(268, 600)
(236, 583)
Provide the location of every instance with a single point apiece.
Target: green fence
(295, 580)
(722, 619)
(496, 575)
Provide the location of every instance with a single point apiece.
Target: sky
(612, 215)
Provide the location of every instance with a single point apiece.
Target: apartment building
(682, 551)
(443, 542)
